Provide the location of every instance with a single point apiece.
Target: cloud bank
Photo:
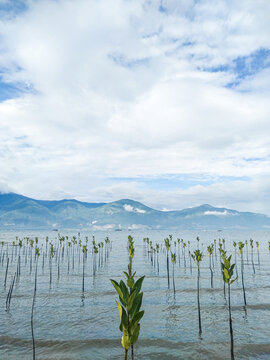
(93, 96)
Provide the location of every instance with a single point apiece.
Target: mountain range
(21, 212)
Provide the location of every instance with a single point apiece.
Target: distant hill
(18, 212)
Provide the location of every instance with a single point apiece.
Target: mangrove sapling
(10, 293)
(157, 250)
(246, 242)
(5, 282)
(227, 269)
(241, 246)
(235, 258)
(251, 245)
(258, 254)
(130, 297)
(19, 259)
(178, 241)
(215, 246)
(84, 250)
(222, 252)
(184, 249)
(43, 255)
(190, 264)
(197, 257)
(173, 263)
(167, 244)
(94, 261)
(50, 264)
(33, 304)
(210, 250)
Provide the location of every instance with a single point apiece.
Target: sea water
(70, 325)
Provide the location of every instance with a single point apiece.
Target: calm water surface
(68, 326)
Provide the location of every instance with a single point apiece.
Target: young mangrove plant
(251, 245)
(84, 250)
(235, 258)
(258, 254)
(210, 250)
(157, 251)
(197, 257)
(173, 263)
(168, 245)
(37, 254)
(227, 269)
(130, 297)
(241, 246)
(50, 264)
(246, 242)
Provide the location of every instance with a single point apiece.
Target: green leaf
(138, 284)
(117, 288)
(226, 274)
(130, 282)
(130, 300)
(119, 310)
(124, 319)
(136, 304)
(137, 317)
(125, 340)
(135, 334)
(224, 278)
(124, 291)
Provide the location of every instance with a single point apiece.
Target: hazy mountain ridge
(18, 211)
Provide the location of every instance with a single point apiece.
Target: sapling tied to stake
(227, 269)
(37, 254)
(210, 250)
(84, 250)
(168, 245)
(197, 257)
(173, 263)
(235, 259)
(258, 254)
(251, 245)
(241, 246)
(50, 264)
(130, 297)
(221, 252)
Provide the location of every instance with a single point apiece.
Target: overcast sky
(164, 102)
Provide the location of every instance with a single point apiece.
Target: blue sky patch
(13, 7)
(12, 90)
(173, 182)
(122, 60)
(244, 66)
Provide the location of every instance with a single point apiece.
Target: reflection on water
(71, 325)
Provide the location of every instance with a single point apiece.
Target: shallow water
(69, 327)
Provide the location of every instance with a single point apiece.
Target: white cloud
(120, 92)
(130, 208)
(219, 213)
(140, 211)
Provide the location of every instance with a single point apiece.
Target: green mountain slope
(17, 211)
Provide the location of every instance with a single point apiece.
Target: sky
(163, 102)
